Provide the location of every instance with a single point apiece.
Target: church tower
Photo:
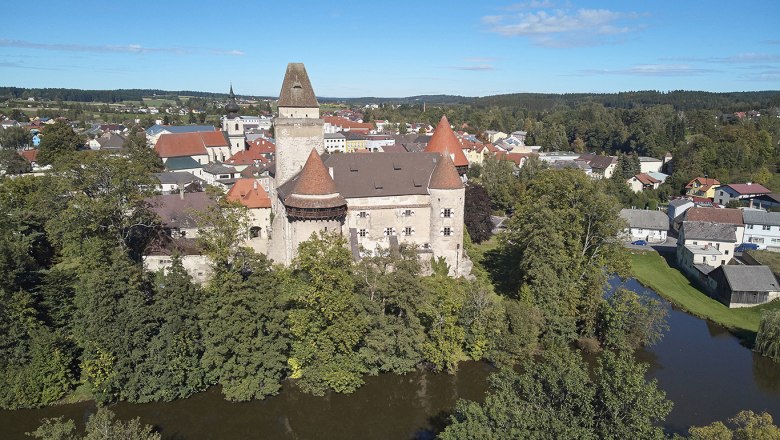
(233, 125)
(298, 127)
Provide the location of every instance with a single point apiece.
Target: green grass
(82, 393)
(771, 259)
(653, 271)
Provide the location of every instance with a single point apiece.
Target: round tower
(311, 203)
(445, 142)
(447, 202)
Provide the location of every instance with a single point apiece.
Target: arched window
(254, 232)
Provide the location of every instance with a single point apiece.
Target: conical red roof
(444, 141)
(445, 176)
(314, 179)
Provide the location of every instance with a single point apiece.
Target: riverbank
(655, 272)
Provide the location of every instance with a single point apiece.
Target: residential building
(704, 243)
(643, 181)
(739, 191)
(762, 228)
(175, 181)
(702, 187)
(335, 143)
(494, 136)
(718, 215)
(743, 285)
(651, 226)
(154, 132)
(650, 164)
(767, 201)
(676, 209)
(601, 166)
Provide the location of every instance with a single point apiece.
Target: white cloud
(742, 58)
(562, 27)
(650, 70)
(129, 48)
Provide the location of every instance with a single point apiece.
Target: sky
(394, 49)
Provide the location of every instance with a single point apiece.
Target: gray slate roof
(181, 163)
(710, 231)
(751, 278)
(178, 212)
(645, 219)
(296, 88)
(382, 174)
(761, 218)
(218, 168)
(177, 177)
(679, 202)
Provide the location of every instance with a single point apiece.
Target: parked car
(747, 247)
(639, 243)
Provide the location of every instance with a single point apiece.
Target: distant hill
(680, 99)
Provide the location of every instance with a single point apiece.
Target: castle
(375, 200)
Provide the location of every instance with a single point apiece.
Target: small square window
(447, 212)
(362, 214)
(408, 231)
(389, 231)
(362, 232)
(447, 232)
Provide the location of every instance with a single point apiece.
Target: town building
(762, 228)
(651, 226)
(739, 191)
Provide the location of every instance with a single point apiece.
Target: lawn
(654, 271)
(771, 259)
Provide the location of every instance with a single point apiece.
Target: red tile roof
(708, 181)
(444, 141)
(715, 215)
(314, 179)
(445, 176)
(263, 146)
(358, 127)
(646, 179)
(29, 155)
(189, 144)
(249, 193)
(248, 157)
(517, 158)
(748, 188)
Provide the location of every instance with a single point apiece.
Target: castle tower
(444, 142)
(233, 125)
(298, 127)
(310, 203)
(447, 198)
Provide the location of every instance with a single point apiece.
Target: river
(701, 366)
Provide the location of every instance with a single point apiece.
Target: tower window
(446, 212)
(254, 232)
(408, 231)
(447, 232)
(362, 214)
(389, 231)
(362, 232)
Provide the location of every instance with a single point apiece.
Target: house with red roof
(643, 181)
(739, 191)
(190, 151)
(250, 193)
(702, 187)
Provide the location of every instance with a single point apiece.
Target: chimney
(181, 192)
(254, 185)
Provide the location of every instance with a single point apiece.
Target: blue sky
(398, 48)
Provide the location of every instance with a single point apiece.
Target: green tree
(477, 213)
(222, 230)
(442, 302)
(500, 183)
(746, 425)
(59, 144)
(145, 157)
(325, 319)
(768, 337)
(245, 338)
(15, 138)
(628, 321)
(102, 425)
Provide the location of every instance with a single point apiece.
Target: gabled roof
(249, 193)
(747, 188)
(744, 278)
(177, 177)
(445, 176)
(645, 219)
(646, 179)
(693, 230)
(254, 154)
(599, 162)
(176, 211)
(296, 88)
(189, 144)
(715, 215)
(337, 121)
(679, 202)
(181, 163)
(30, 155)
(444, 141)
(752, 217)
(218, 168)
(157, 129)
(706, 181)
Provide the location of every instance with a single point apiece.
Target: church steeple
(232, 107)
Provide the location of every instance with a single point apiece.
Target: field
(654, 271)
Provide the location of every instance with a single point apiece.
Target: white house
(762, 228)
(645, 225)
(650, 164)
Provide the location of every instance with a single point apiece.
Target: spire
(232, 107)
(444, 141)
(445, 176)
(296, 88)
(314, 194)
